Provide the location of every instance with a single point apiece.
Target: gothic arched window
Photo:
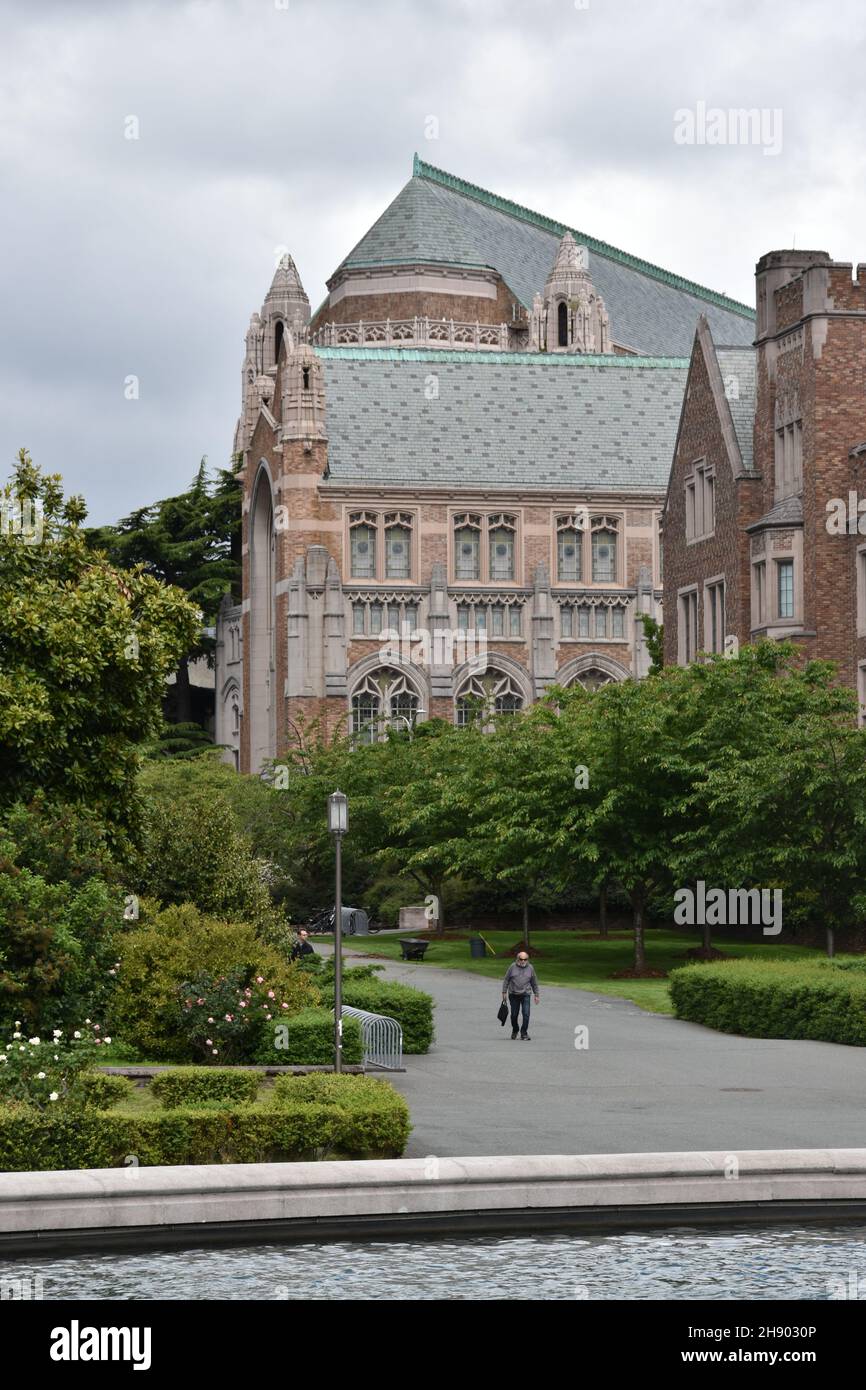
(604, 550)
(278, 339)
(383, 698)
(362, 544)
(481, 697)
(467, 547)
(562, 324)
(398, 539)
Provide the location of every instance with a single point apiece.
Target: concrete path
(646, 1083)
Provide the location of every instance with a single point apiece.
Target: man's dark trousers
(519, 1003)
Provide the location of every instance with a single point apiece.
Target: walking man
(518, 984)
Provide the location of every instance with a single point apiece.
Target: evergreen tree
(192, 541)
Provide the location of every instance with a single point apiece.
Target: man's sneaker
(524, 1037)
(513, 1034)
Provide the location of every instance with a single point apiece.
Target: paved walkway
(646, 1082)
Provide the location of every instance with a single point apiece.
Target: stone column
(543, 652)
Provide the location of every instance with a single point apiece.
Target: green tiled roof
(438, 218)
(504, 420)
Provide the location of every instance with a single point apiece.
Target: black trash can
(477, 949)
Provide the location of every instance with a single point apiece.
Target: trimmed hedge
(245, 1134)
(307, 1040)
(96, 1090)
(412, 1008)
(817, 1000)
(195, 1084)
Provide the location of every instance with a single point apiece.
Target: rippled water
(793, 1262)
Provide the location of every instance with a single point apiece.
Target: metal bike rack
(382, 1039)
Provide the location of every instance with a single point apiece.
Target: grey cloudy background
(269, 123)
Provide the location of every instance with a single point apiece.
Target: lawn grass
(141, 1099)
(580, 961)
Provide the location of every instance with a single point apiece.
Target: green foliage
(48, 1072)
(178, 741)
(244, 1134)
(168, 947)
(59, 905)
(176, 1089)
(655, 640)
(193, 848)
(229, 1018)
(412, 1008)
(352, 1091)
(774, 999)
(97, 1091)
(307, 1040)
(191, 541)
(84, 655)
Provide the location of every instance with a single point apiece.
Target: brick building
(467, 446)
(761, 518)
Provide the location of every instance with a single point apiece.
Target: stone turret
(285, 316)
(570, 316)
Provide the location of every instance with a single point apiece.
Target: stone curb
(104, 1208)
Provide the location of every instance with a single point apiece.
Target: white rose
(16, 1035)
(34, 1042)
(108, 1040)
(76, 1035)
(54, 1095)
(40, 1076)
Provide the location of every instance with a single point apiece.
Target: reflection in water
(746, 1263)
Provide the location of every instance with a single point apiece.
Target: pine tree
(192, 541)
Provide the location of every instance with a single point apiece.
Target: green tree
(85, 650)
(191, 541)
(60, 902)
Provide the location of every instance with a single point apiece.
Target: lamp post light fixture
(338, 825)
(410, 720)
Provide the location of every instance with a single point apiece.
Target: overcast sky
(270, 123)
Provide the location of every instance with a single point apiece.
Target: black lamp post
(338, 824)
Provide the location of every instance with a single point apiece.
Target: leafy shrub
(32, 1142)
(228, 1018)
(195, 852)
(95, 1090)
(325, 1088)
(774, 999)
(412, 1008)
(174, 1089)
(170, 947)
(307, 1040)
(59, 905)
(49, 1072)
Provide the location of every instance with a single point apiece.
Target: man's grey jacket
(520, 979)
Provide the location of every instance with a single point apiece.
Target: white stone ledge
(155, 1200)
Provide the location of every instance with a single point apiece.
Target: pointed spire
(286, 301)
(571, 259)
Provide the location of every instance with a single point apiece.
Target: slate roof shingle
(439, 218)
(737, 366)
(526, 421)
